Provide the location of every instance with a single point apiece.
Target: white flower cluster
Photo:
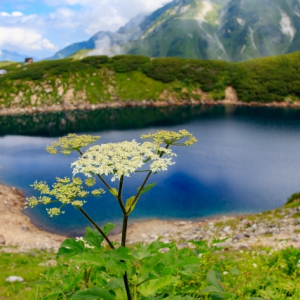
(122, 159)
(66, 191)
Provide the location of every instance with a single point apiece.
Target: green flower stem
(97, 227)
(141, 188)
(120, 195)
(124, 230)
(126, 282)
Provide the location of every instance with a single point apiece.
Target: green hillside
(100, 79)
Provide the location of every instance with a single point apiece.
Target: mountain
(232, 30)
(6, 55)
(103, 41)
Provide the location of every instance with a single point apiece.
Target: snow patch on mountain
(241, 21)
(184, 9)
(252, 38)
(205, 10)
(286, 25)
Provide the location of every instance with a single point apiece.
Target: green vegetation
(98, 79)
(241, 274)
(294, 198)
(25, 265)
(4, 64)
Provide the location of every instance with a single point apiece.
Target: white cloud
(13, 14)
(25, 39)
(1, 52)
(102, 14)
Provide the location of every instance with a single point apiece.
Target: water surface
(246, 160)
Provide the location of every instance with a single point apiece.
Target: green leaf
(70, 248)
(147, 187)
(108, 227)
(91, 259)
(92, 294)
(150, 287)
(54, 293)
(93, 237)
(218, 296)
(234, 271)
(114, 192)
(180, 298)
(142, 253)
(115, 284)
(129, 207)
(256, 298)
(121, 253)
(210, 289)
(212, 279)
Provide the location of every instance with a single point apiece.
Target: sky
(40, 28)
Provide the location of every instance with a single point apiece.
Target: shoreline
(277, 228)
(122, 104)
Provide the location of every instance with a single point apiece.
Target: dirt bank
(16, 228)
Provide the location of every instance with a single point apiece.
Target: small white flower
(200, 255)
(241, 251)
(225, 273)
(255, 265)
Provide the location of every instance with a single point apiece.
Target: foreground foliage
(232, 275)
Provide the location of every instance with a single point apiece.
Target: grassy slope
(4, 64)
(127, 78)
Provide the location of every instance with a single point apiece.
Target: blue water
(246, 160)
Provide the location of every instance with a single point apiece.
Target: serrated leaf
(142, 253)
(129, 207)
(218, 296)
(210, 289)
(91, 259)
(234, 271)
(93, 237)
(212, 279)
(147, 187)
(71, 248)
(150, 287)
(108, 227)
(121, 253)
(180, 298)
(115, 284)
(92, 294)
(54, 293)
(114, 192)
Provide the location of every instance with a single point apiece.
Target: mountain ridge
(231, 30)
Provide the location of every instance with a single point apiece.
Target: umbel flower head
(171, 137)
(71, 142)
(122, 159)
(64, 191)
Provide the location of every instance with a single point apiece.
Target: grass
(25, 265)
(260, 272)
(4, 64)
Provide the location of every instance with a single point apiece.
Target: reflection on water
(245, 161)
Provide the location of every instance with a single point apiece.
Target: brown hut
(28, 60)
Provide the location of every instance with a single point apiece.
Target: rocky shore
(231, 99)
(17, 233)
(276, 229)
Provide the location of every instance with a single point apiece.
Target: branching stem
(96, 226)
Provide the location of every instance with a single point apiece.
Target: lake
(247, 160)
